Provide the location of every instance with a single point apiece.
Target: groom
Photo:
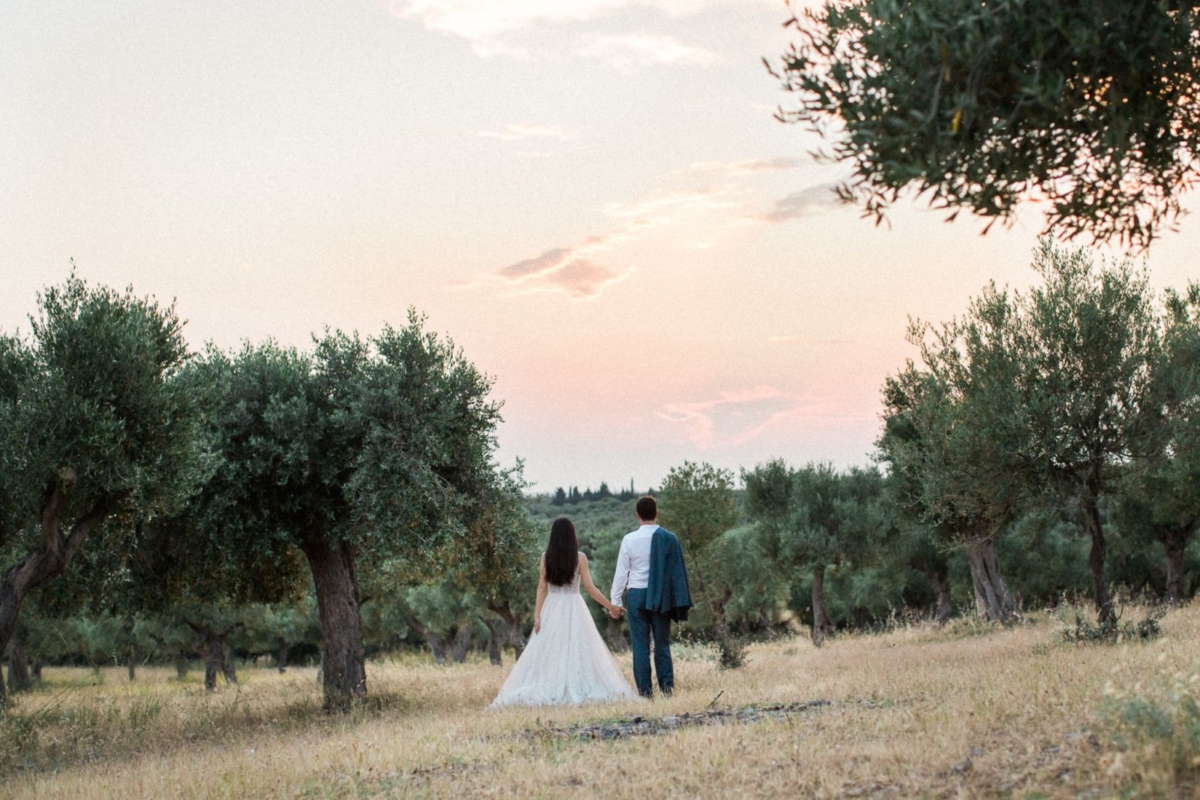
(650, 565)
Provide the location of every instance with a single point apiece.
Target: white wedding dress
(567, 662)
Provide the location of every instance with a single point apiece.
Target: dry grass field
(964, 711)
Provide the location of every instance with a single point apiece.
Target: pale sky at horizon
(590, 197)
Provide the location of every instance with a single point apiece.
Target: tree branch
(52, 508)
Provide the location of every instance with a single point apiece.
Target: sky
(590, 197)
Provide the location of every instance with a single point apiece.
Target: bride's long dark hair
(562, 553)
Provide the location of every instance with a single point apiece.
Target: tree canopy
(379, 448)
(1092, 107)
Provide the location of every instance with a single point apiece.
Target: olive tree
(1088, 345)
(359, 455)
(1161, 490)
(1094, 107)
(953, 436)
(812, 519)
(95, 430)
(696, 502)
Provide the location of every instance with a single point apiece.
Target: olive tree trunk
(342, 656)
(516, 622)
(281, 661)
(54, 552)
(218, 658)
(614, 631)
(228, 665)
(497, 630)
(940, 584)
(822, 627)
(462, 642)
(992, 598)
(1175, 541)
(1096, 558)
(18, 667)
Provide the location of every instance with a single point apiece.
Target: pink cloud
(563, 269)
(735, 418)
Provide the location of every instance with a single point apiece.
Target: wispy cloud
(514, 132)
(583, 270)
(736, 417)
(747, 167)
(800, 204)
(568, 270)
(630, 51)
(672, 202)
(699, 419)
(482, 19)
(527, 28)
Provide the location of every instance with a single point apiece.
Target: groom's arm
(620, 577)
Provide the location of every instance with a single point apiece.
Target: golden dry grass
(967, 711)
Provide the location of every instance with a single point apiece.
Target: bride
(566, 661)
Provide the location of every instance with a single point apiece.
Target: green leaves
(814, 516)
(1093, 107)
(383, 443)
(97, 390)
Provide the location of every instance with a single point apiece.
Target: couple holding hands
(566, 661)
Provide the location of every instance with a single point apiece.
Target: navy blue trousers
(644, 625)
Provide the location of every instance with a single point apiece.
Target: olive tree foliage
(360, 454)
(1050, 392)
(1093, 107)
(1160, 494)
(95, 430)
(1089, 345)
(953, 439)
(813, 519)
(696, 503)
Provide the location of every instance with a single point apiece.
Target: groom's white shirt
(633, 562)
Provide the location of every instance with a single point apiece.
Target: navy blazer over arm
(667, 588)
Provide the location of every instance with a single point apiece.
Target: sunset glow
(590, 197)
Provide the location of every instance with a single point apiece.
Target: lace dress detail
(567, 662)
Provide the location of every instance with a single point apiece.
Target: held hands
(616, 612)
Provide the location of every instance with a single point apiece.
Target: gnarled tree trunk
(516, 634)
(462, 642)
(342, 656)
(53, 554)
(497, 628)
(822, 626)
(210, 645)
(281, 660)
(614, 632)
(992, 598)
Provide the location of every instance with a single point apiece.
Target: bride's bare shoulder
(582, 558)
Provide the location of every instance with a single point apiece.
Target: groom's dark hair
(647, 509)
